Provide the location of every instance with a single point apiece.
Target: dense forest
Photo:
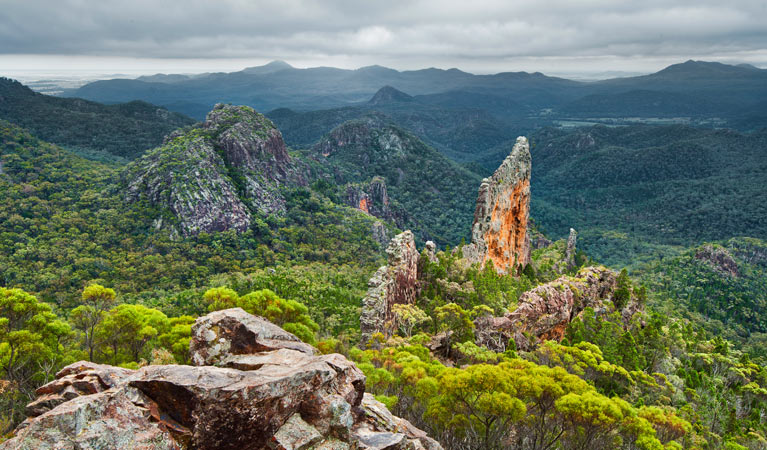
(673, 358)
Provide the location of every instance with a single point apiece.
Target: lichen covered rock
(213, 177)
(231, 332)
(499, 234)
(396, 282)
(719, 258)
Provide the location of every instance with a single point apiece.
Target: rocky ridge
(264, 390)
(215, 176)
(545, 311)
(499, 233)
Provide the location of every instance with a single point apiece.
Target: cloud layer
(402, 33)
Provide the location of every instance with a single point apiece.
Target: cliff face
(499, 233)
(396, 282)
(214, 177)
(265, 391)
(371, 197)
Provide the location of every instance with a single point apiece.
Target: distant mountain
(465, 131)
(277, 84)
(272, 67)
(387, 95)
(124, 130)
(708, 80)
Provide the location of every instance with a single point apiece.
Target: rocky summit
(280, 396)
(499, 232)
(215, 176)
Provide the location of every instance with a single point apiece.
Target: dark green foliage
(622, 290)
(635, 193)
(431, 195)
(95, 130)
(731, 302)
(62, 225)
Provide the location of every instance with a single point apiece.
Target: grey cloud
(435, 30)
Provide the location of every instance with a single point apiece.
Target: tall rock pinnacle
(394, 283)
(499, 234)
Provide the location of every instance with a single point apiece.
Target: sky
(573, 37)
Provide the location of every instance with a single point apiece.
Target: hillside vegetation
(94, 130)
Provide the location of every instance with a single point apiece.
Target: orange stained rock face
(506, 243)
(364, 205)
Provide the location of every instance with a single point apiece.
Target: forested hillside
(638, 192)
(92, 129)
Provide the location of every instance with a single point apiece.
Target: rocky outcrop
(223, 335)
(396, 282)
(570, 249)
(370, 197)
(499, 233)
(417, 178)
(213, 177)
(719, 259)
(544, 312)
(281, 399)
(373, 198)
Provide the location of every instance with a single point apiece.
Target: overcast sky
(480, 36)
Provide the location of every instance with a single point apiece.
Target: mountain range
(694, 89)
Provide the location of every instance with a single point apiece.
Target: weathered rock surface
(81, 378)
(214, 176)
(544, 312)
(371, 197)
(286, 399)
(396, 282)
(570, 249)
(719, 259)
(232, 332)
(499, 233)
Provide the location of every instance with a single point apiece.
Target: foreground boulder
(396, 282)
(499, 234)
(281, 396)
(544, 312)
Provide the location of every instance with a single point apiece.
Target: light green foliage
(127, 332)
(96, 300)
(30, 338)
(480, 403)
(454, 319)
(407, 317)
(32, 348)
(176, 338)
(333, 295)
